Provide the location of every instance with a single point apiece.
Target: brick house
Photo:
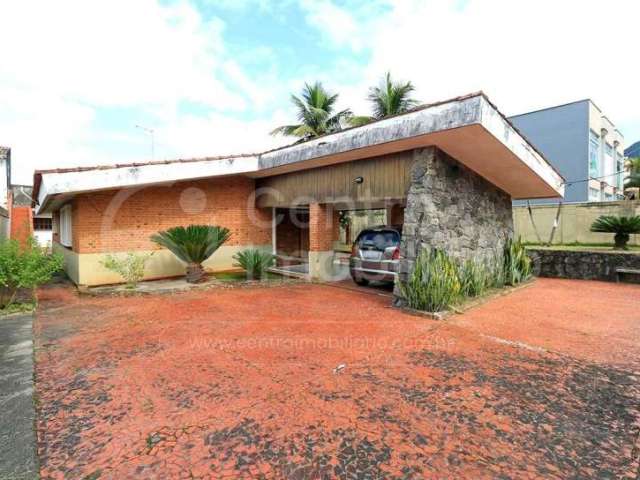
(447, 171)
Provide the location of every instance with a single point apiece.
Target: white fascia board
(60, 183)
(501, 129)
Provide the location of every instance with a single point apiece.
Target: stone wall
(452, 208)
(582, 265)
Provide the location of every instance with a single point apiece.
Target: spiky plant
(254, 262)
(316, 114)
(516, 262)
(193, 244)
(474, 278)
(433, 285)
(623, 227)
(389, 98)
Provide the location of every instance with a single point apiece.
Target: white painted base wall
(87, 268)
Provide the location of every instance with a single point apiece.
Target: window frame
(66, 227)
(38, 221)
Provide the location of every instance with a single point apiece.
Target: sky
(214, 77)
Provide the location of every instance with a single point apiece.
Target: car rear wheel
(363, 282)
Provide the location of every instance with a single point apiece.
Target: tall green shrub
(26, 267)
(434, 284)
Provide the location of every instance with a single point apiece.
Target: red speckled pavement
(312, 381)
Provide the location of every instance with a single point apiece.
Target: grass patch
(240, 276)
(583, 246)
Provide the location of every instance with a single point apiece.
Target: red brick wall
(124, 220)
(323, 227)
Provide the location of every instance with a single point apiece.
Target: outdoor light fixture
(358, 180)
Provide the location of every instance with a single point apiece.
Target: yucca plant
(433, 285)
(254, 262)
(193, 245)
(516, 262)
(623, 227)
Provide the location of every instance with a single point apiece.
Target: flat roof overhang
(469, 129)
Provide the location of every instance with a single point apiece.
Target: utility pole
(150, 132)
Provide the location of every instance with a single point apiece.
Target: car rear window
(379, 239)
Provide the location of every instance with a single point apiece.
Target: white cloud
(523, 54)
(61, 66)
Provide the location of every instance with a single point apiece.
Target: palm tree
(632, 180)
(621, 226)
(316, 114)
(389, 98)
(193, 245)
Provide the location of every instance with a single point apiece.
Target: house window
(608, 197)
(594, 194)
(594, 153)
(42, 223)
(65, 226)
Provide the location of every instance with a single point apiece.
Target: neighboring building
(633, 151)
(287, 200)
(583, 144)
(40, 226)
(5, 181)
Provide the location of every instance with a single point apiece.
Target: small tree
(255, 262)
(26, 267)
(623, 227)
(130, 268)
(193, 245)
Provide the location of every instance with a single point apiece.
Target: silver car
(375, 255)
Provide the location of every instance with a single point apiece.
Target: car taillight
(396, 254)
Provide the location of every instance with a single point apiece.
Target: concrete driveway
(315, 381)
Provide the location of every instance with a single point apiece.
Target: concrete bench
(622, 271)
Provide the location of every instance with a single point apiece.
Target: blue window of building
(594, 154)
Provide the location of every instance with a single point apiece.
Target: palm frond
(285, 130)
(315, 112)
(194, 243)
(614, 224)
(359, 120)
(255, 262)
(391, 98)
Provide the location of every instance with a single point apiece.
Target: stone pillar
(451, 208)
(323, 230)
